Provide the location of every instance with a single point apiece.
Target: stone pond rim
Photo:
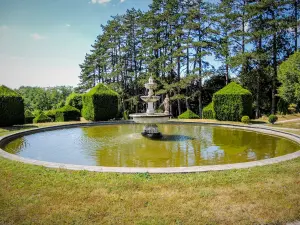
(296, 138)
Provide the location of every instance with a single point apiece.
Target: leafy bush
(51, 114)
(11, 107)
(273, 119)
(29, 116)
(282, 106)
(100, 103)
(208, 112)
(188, 114)
(245, 119)
(75, 100)
(42, 118)
(289, 77)
(292, 108)
(232, 102)
(67, 113)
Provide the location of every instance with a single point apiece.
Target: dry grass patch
(32, 194)
(262, 195)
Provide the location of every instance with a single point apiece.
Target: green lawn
(262, 195)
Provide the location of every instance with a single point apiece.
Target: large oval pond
(123, 146)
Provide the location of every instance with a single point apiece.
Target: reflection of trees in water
(183, 145)
(242, 146)
(16, 146)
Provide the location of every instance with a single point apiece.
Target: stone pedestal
(151, 131)
(150, 109)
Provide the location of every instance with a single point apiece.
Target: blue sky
(42, 42)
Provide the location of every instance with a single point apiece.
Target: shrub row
(100, 103)
(232, 103)
(75, 100)
(188, 114)
(11, 107)
(67, 113)
(208, 112)
(42, 118)
(51, 114)
(29, 117)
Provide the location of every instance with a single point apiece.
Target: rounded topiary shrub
(245, 119)
(67, 113)
(75, 100)
(188, 114)
(272, 119)
(42, 118)
(232, 103)
(11, 107)
(100, 103)
(29, 116)
(208, 112)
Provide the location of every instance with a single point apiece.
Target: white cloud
(122, 1)
(37, 36)
(68, 25)
(100, 1)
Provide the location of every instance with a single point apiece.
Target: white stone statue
(167, 105)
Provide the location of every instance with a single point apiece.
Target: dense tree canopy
(178, 42)
(289, 76)
(37, 98)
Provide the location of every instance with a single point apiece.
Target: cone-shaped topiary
(11, 107)
(100, 103)
(75, 100)
(188, 114)
(42, 118)
(67, 113)
(51, 113)
(29, 116)
(232, 103)
(208, 112)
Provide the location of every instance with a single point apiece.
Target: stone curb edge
(192, 169)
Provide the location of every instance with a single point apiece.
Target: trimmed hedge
(75, 100)
(188, 114)
(11, 107)
(208, 112)
(232, 103)
(42, 118)
(100, 103)
(51, 114)
(67, 113)
(29, 116)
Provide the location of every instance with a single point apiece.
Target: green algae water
(124, 146)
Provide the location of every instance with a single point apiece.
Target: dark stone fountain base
(151, 131)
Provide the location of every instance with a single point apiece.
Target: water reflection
(123, 145)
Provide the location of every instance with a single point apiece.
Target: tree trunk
(200, 98)
(179, 106)
(187, 104)
(275, 72)
(187, 61)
